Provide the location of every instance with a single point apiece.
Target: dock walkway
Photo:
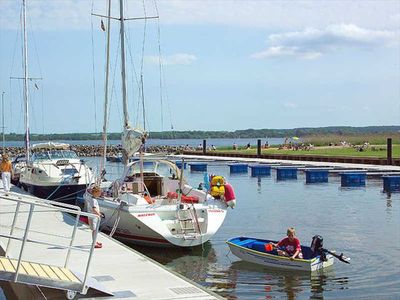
(119, 269)
(382, 169)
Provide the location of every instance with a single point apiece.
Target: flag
(102, 26)
(206, 182)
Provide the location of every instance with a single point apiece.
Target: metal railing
(63, 208)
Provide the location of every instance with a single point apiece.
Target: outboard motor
(317, 244)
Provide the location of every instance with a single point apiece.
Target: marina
(126, 172)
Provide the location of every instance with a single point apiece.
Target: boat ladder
(187, 222)
(18, 265)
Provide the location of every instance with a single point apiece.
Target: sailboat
(54, 171)
(152, 204)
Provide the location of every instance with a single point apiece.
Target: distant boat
(254, 250)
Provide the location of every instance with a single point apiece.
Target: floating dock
(115, 272)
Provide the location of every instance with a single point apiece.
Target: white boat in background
(152, 203)
(18, 163)
(55, 172)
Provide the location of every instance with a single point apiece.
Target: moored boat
(255, 251)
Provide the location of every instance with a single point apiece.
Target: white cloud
(283, 15)
(290, 105)
(311, 43)
(175, 59)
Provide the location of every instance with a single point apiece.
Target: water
(363, 223)
(159, 142)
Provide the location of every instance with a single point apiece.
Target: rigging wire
(163, 86)
(40, 74)
(142, 64)
(93, 70)
(12, 66)
(113, 89)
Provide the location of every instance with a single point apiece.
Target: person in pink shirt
(290, 245)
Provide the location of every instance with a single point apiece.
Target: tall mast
(26, 83)
(106, 89)
(2, 119)
(122, 32)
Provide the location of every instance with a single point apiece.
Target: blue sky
(226, 64)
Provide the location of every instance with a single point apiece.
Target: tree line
(198, 134)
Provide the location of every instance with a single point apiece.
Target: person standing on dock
(6, 172)
(92, 206)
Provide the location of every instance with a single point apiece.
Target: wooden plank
(50, 272)
(70, 275)
(59, 273)
(2, 268)
(7, 265)
(29, 269)
(21, 268)
(39, 270)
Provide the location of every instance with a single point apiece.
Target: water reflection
(192, 263)
(273, 282)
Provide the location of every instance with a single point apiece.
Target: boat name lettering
(146, 215)
(216, 210)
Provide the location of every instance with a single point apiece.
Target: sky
(225, 65)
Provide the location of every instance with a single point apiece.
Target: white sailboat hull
(158, 225)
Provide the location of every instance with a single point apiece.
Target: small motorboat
(259, 251)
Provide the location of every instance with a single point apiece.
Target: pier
(116, 271)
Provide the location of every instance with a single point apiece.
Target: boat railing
(25, 209)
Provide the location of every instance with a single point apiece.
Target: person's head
(291, 233)
(5, 157)
(95, 191)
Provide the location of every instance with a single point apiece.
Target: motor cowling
(317, 245)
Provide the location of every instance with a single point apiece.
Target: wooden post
(258, 148)
(204, 146)
(389, 151)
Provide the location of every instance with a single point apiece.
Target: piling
(389, 151)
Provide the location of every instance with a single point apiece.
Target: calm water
(363, 223)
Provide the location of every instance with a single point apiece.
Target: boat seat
(244, 242)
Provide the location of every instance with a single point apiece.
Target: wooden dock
(115, 268)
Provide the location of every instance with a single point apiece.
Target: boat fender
(230, 197)
(217, 187)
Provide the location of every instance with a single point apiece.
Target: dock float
(316, 175)
(238, 168)
(115, 269)
(260, 170)
(198, 167)
(353, 179)
(391, 183)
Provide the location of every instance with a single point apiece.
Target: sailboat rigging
(54, 171)
(152, 203)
